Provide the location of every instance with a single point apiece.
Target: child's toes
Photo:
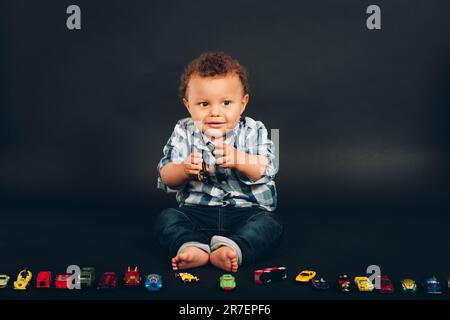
(234, 265)
(175, 263)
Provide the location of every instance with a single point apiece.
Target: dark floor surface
(402, 242)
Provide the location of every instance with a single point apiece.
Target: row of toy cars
(86, 279)
(344, 283)
(153, 282)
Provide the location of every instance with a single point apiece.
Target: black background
(362, 117)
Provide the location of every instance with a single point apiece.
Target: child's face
(215, 103)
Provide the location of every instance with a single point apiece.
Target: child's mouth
(215, 125)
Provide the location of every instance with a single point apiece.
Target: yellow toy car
(3, 280)
(23, 280)
(187, 277)
(364, 284)
(305, 276)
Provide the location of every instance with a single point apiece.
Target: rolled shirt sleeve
(258, 142)
(175, 150)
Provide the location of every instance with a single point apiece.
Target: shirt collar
(201, 140)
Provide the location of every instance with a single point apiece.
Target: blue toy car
(153, 282)
(431, 285)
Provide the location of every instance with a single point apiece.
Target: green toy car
(409, 286)
(87, 276)
(227, 282)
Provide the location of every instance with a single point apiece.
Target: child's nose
(215, 110)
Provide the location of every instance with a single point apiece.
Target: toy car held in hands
(203, 174)
(267, 275)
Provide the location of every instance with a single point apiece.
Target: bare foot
(190, 257)
(224, 258)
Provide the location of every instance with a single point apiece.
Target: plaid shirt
(226, 186)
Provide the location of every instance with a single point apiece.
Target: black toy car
(320, 284)
(266, 275)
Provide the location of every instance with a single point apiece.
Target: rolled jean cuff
(196, 244)
(218, 241)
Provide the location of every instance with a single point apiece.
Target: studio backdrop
(362, 114)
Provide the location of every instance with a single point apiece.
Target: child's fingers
(219, 144)
(221, 160)
(196, 158)
(219, 152)
(192, 172)
(193, 167)
(224, 162)
(196, 161)
(196, 155)
(226, 158)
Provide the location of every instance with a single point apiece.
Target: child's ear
(244, 103)
(186, 103)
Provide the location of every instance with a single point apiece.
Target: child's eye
(227, 102)
(203, 104)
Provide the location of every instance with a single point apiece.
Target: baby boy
(222, 167)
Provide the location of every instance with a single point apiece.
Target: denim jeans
(254, 230)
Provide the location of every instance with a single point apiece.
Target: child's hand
(253, 166)
(193, 163)
(226, 155)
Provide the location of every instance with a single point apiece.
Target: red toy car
(62, 281)
(266, 275)
(108, 281)
(44, 279)
(386, 285)
(132, 277)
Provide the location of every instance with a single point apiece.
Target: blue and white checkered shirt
(232, 188)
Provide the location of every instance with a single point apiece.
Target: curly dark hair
(210, 64)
